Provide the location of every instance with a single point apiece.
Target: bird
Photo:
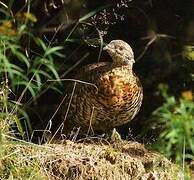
(104, 95)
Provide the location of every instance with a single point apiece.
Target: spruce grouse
(106, 94)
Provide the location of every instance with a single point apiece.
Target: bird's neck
(118, 62)
(122, 65)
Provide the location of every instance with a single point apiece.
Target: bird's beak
(105, 48)
(133, 60)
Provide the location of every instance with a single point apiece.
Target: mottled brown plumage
(111, 95)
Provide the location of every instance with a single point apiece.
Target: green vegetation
(24, 69)
(177, 119)
(23, 72)
(32, 62)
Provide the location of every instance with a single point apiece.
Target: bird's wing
(88, 77)
(91, 71)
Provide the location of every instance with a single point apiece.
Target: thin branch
(152, 38)
(76, 80)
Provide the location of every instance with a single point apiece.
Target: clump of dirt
(90, 160)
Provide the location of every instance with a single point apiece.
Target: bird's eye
(120, 48)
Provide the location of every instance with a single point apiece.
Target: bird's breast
(117, 88)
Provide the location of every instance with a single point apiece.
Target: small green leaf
(188, 52)
(52, 50)
(92, 13)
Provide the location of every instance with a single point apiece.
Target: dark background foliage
(158, 31)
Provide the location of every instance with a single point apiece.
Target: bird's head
(121, 52)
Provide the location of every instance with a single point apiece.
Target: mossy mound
(84, 160)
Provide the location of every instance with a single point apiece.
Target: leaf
(39, 42)
(22, 112)
(56, 89)
(43, 73)
(55, 73)
(29, 87)
(188, 52)
(30, 16)
(7, 66)
(21, 57)
(38, 80)
(52, 50)
(59, 54)
(92, 13)
(19, 126)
